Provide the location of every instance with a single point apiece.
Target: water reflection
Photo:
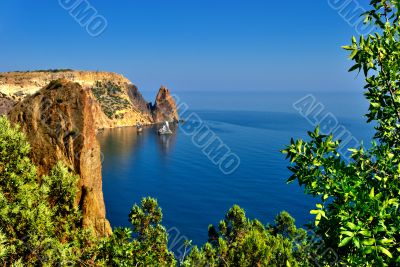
(121, 143)
(167, 142)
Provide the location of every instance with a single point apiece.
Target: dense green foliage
(39, 222)
(243, 242)
(359, 216)
(149, 247)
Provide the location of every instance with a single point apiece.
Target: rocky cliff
(60, 126)
(60, 112)
(117, 101)
(6, 103)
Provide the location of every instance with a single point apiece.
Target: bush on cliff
(38, 220)
(146, 245)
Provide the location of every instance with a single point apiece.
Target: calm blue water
(191, 190)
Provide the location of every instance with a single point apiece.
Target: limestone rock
(6, 104)
(60, 126)
(118, 102)
(164, 108)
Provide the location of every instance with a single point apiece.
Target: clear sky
(254, 45)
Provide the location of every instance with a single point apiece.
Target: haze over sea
(191, 190)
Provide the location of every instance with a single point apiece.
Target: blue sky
(254, 45)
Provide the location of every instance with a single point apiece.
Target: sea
(195, 187)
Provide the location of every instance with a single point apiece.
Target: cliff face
(164, 108)
(117, 102)
(60, 112)
(6, 104)
(60, 125)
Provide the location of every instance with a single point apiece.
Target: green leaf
(314, 184)
(314, 212)
(386, 241)
(353, 54)
(351, 226)
(375, 105)
(365, 233)
(356, 242)
(348, 233)
(368, 242)
(372, 193)
(291, 179)
(355, 67)
(368, 250)
(385, 251)
(347, 47)
(345, 241)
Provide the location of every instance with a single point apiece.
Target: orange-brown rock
(60, 125)
(6, 104)
(164, 108)
(119, 102)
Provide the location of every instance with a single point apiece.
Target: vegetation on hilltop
(108, 94)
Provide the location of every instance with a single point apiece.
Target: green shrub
(358, 216)
(149, 247)
(239, 241)
(38, 221)
(108, 95)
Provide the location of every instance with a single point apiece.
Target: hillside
(117, 102)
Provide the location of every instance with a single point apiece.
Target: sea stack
(164, 108)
